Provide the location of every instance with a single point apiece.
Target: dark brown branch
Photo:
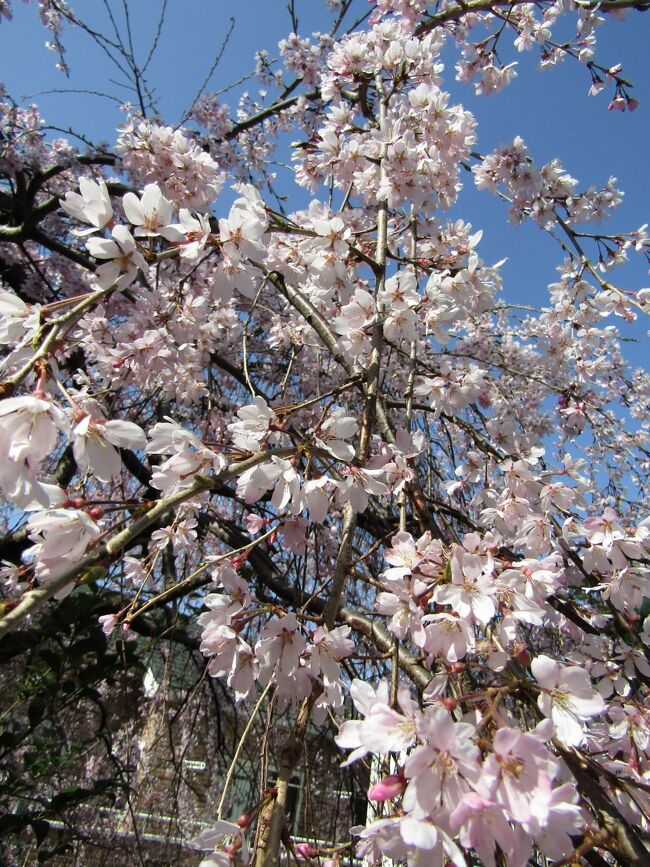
(460, 10)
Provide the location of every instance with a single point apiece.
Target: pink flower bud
(74, 503)
(244, 821)
(632, 103)
(388, 788)
(238, 562)
(305, 850)
(523, 657)
(617, 104)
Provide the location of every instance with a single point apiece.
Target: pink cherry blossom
(332, 433)
(442, 769)
(482, 826)
(322, 442)
(471, 589)
(518, 764)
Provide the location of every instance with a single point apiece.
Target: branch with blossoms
(421, 512)
(63, 579)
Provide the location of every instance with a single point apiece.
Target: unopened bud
(388, 788)
(424, 600)
(238, 562)
(244, 821)
(523, 657)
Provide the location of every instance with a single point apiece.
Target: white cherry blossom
(91, 205)
(151, 214)
(94, 439)
(126, 259)
(567, 697)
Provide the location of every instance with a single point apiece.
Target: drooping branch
(107, 552)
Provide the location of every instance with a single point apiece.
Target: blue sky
(550, 110)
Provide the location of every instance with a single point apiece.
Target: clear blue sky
(550, 110)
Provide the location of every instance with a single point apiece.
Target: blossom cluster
(506, 791)
(329, 415)
(282, 652)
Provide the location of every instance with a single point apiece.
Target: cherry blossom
(483, 826)
(383, 728)
(518, 765)
(194, 231)
(16, 318)
(94, 440)
(29, 427)
(388, 788)
(240, 234)
(334, 431)
(151, 214)
(319, 442)
(254, 423)
(61, 537)
(329, 648)
(186, 173)
(440, 770)
(567, 697)
(126, 259)
(471, 590)
(92, 205)
(281, 645)
(358, 483)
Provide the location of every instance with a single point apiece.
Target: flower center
(511, 766)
